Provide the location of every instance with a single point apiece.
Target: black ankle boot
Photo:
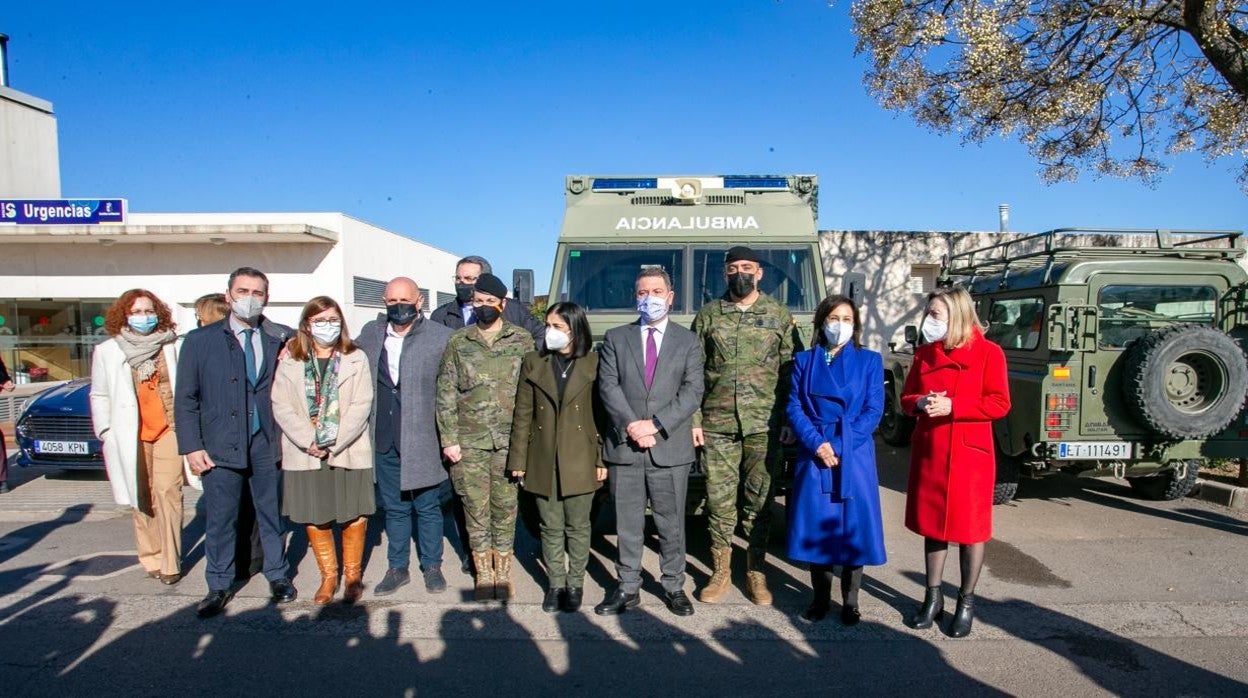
(816, 611)
(963, 616)
(933, 607)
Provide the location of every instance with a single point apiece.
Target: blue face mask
(142, 324)
(652, 308)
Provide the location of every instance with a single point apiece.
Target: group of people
(482, 399)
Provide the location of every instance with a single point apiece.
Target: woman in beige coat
(556, 449)
(322, 399)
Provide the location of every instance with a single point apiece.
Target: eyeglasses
(465, 279)
(326, 324)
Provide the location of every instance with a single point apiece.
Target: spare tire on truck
(1185, 381)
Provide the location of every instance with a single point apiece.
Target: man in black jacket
(458, 313)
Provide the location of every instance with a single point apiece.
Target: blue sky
(455, 123)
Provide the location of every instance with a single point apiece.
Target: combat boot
(755, 581)
(321, 540)
(502, 576)
(483, 585)
(721, 578)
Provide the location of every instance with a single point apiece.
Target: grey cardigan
(419, 450)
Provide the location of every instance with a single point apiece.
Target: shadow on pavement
(1117, 664)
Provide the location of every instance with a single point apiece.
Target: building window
(50, 340)
(923, 278)
(370, 293)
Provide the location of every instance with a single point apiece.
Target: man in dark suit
(459, 313)
(225, 429)
(650, 381)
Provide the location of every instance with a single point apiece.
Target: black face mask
(487, 315)
(740, 284)
(401, 314)
(463, 293)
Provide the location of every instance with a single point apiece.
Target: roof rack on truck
(1047, 248)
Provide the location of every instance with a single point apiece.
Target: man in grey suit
(650, 381)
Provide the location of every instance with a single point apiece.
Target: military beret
(488, 283)
(741, 253)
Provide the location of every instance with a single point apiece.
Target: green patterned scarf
(322, 392)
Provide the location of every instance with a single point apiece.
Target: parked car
(55, 429)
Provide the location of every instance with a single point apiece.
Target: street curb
(1229, 496)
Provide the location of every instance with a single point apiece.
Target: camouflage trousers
(740, 469)
(481, 480)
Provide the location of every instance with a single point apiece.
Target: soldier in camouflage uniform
(747, 340)
(476, 395)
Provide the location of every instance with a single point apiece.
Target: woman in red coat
(956, 388)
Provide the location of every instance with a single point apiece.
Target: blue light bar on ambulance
(624, 184)
(756, 183)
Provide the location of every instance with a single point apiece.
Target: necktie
(249, 360)
(652, 357)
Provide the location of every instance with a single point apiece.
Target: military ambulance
(614, 226)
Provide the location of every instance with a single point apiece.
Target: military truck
(614, 226)
(1123, 360)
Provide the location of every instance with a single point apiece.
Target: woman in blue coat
(834, 511)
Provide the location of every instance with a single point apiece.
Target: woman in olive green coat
(556, 449)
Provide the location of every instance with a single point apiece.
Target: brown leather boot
(502, 576)
(721, 578)
(483, 585)
(353, 535)
(755, 580)
(321, 540)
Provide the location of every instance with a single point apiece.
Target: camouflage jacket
(748, 357)
(477, 386)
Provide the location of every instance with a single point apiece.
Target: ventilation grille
(424, 294)
(369, 293)
(658, 200)
(444, 298)
(731, 199)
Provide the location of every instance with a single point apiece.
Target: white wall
(29, 158)
(179, 273)
(376, 253)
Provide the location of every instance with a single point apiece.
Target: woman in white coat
(132, 376)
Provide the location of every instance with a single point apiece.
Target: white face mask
(934, 330)
(327, 334)
(652, 308)
(556, 339)
(837, 332)
(247, 308)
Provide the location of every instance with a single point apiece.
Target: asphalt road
(1087, 591)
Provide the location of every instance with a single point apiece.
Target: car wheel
(1008, 469)
(1167, 485)
(1185, 381)
(895, 428)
